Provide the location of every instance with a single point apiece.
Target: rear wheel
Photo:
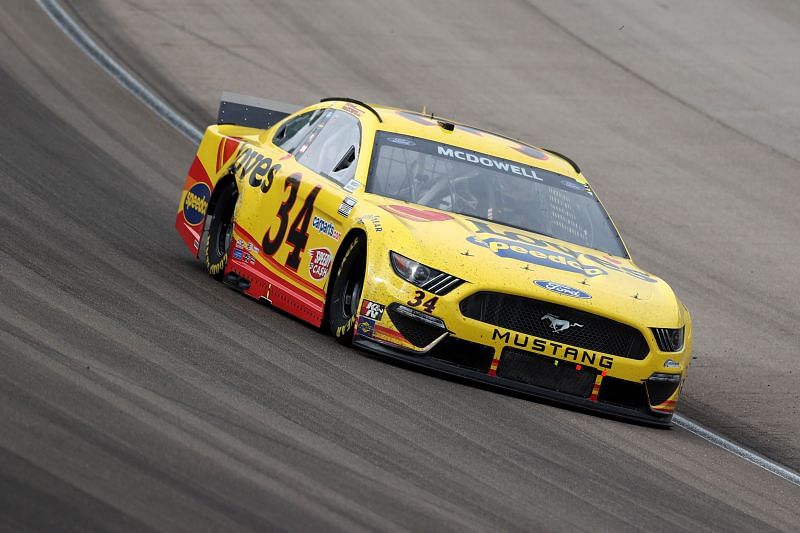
(220, 231)
(345, 294)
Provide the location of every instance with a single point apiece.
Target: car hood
(493, 256)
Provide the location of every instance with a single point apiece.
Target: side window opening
(333, 150)
(291, 135)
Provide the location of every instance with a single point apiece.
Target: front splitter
(510, 386)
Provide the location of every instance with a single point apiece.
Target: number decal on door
(270, 245)
(298, 232)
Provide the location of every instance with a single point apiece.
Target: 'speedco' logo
(196, 203)
(558, 325)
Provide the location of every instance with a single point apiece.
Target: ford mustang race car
(438, 244)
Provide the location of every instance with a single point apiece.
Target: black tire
(345, 295)
(220, 231)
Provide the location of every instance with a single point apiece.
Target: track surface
(137, 394)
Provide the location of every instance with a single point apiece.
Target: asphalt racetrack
(138, 394)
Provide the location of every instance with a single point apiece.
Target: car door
(296, 196)
(330, 156)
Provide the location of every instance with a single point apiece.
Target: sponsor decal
(491, 162)
(550, 348)
(574, 185)
(352, 185)
(372, 310)
(401, 140)
(375, 220)
(558, 325)
(417, 215)
(243, 251)
(319, 262)
(366, 327)
(564, 290)
(347, 206)
(256, 168)
(541, 254)
(539, 251)
(514, 168)
(353, 110)
(326, 228)
(196, 203)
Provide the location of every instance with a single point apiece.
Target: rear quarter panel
(214, 155)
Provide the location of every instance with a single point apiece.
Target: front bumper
(521, 363)
(432, 361)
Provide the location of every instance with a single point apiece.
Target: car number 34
(419, 301)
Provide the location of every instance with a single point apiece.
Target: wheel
(345, 295)
(220, 231)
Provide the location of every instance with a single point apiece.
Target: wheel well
(349, 238)
(223, 182)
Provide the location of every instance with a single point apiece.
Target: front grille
(417, 333)
(526, 315)
(464, 354)
(553, 374)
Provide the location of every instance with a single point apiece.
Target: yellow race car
(438, 244)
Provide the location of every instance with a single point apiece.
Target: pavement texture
(139, 394)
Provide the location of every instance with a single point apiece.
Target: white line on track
(69, 26)
(158, 106)
(718, 440)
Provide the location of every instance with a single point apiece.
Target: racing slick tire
(345, 294)
(220, 231)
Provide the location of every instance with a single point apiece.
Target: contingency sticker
(319, 263)
(372, 310)
(347, 206)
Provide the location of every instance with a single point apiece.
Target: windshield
(470, 183)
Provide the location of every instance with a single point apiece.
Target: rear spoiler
(251, 111)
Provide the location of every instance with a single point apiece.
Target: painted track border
(86, 43)
(161, 108)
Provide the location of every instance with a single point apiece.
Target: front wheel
(220, 231)
(345, 294)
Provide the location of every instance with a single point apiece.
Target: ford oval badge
(563, 290)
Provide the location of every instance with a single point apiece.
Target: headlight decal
(424, 277)
(669, 340)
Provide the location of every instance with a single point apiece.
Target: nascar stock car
(438, 244)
